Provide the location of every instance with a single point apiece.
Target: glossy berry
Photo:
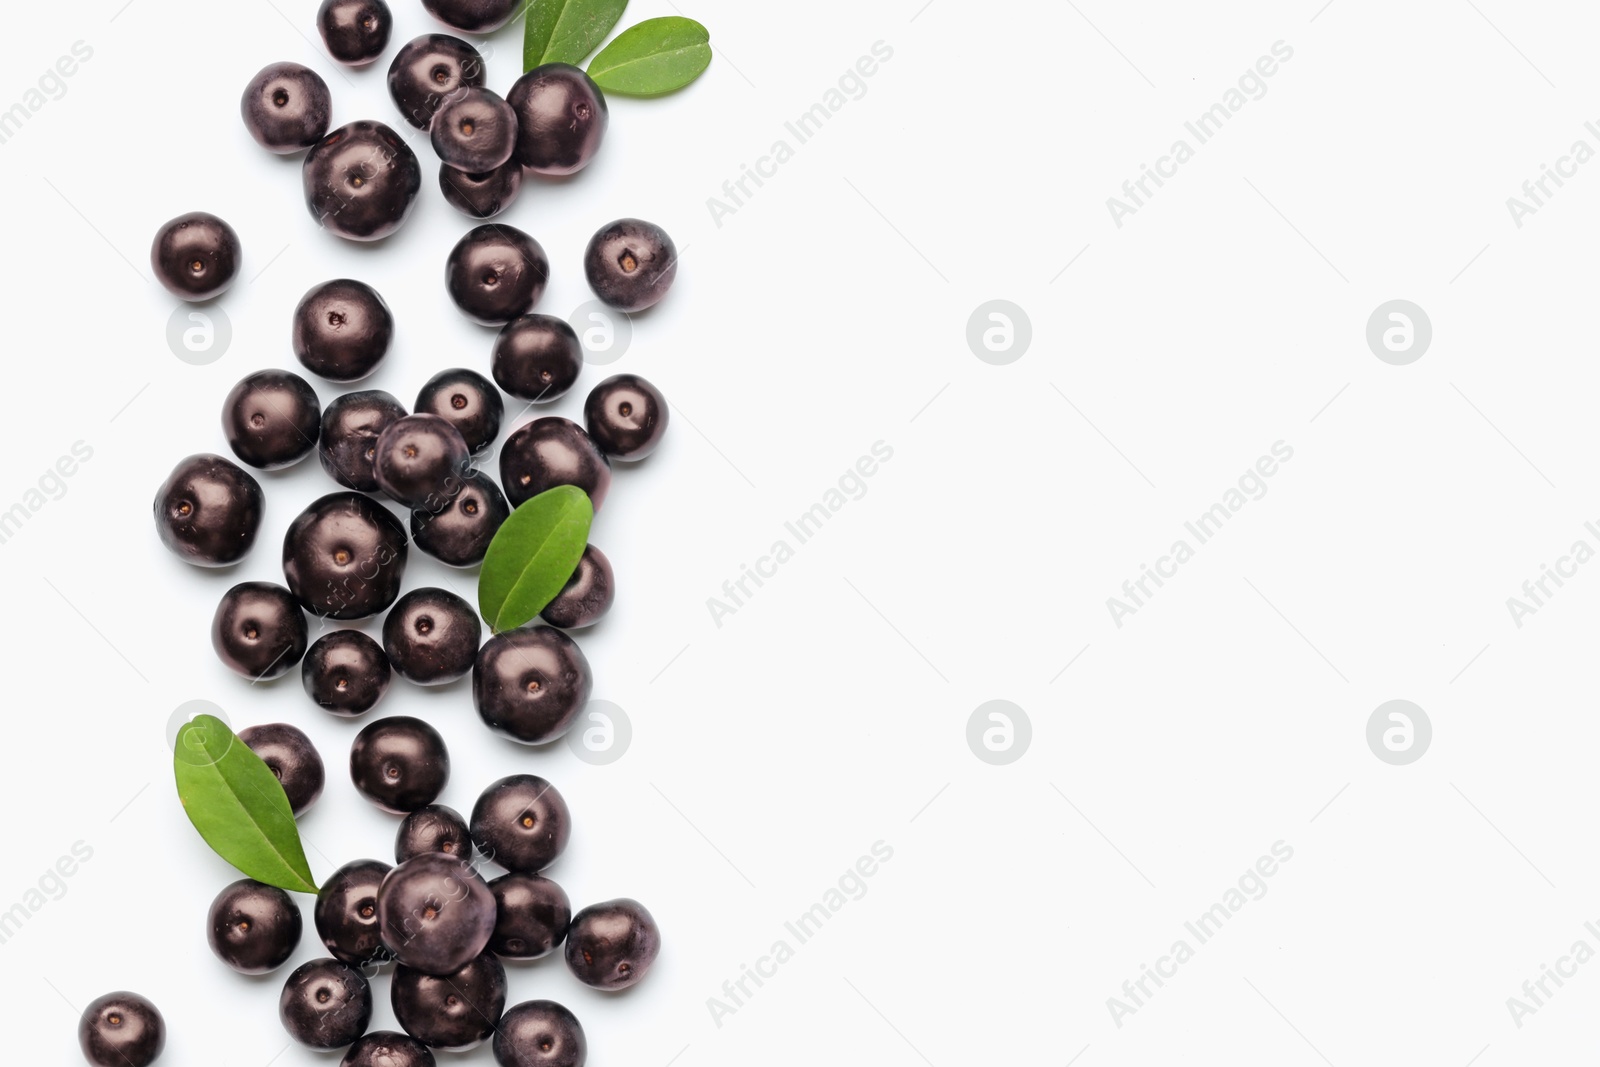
(259, 631)
(361, 181)
(271, 419)
(540, 1033)
(293, 760)
(342, 330)
(121, 1029)
(432, 636)
(435, 914)
(473, 16)
(208, 511)
(481, 196)
(459, 532)
(434, 828)
(626, 417)
(325, 1004)
(344, 556)
(586, 597)
(561, 119)
(195, 256)
(532, 914)
(345, 672)
(454, 1012)
(522, 823)
(420, 460)
(399, 763)
(430, 69)
(612, 945)
(348, 444)
(474, 130)
(386, 1048)
(286, 107)
(466, 400)
(630, 264)
(252, 927)
(537, 358)
(496, 273)
(355, 32)
(530, 684)
(346, 913)
(549, 452)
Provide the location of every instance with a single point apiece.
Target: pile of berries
(443, 926)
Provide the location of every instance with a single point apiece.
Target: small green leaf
(565, 31)
(238, 805)
(532, 555)
(654, 57)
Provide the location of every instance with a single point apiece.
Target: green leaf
(654, 57)
(532, 555)
(238, 805)
(565, 31)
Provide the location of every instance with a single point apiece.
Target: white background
(828, 313)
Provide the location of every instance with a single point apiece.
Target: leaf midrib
(287, 860)
(565, 29)
(650, 58)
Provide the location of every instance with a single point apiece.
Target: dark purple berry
(454, 1012)
(587, 595)
(344, 556)
(345, 672)
(342, 330)
(432, 636)
(549, 452)
(630, 264)
(466, 400)
(496, 273)
(121, 1029)
(355, 32)
(459, 532)
(348, 445)
(530, 684)
(286, 107)
(612, 945)
(252, 927)
(626, 417)
(271, 419)
(561, 119)
(522, 823)
(531, 916)
(420, 460)
(475, 131)
(429, 70)
(292, 758)
(361, 181)
(259, 631)
(436, 914)
(386, 1048)
(208, 511)
(434, 828)
(540, 1033)
(537, 358)
(196, 256)
(481, 196)
(325, 1004)
(399, 763)
(347, 913)
(473, 16)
